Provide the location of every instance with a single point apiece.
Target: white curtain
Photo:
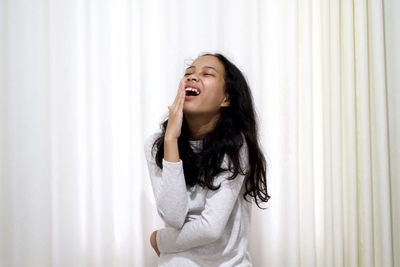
(82, 83)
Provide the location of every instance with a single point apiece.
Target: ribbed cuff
(164, 162)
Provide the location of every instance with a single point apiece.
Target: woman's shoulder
(149, 143)
(150, 139)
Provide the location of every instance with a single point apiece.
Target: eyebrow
(205, 67)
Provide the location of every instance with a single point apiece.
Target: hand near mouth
(174, 126)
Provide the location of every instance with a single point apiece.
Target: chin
(189, 110)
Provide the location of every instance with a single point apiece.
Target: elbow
(176, 223)
(214, 233)
(173, 219)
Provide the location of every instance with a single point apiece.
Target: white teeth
(193, 90)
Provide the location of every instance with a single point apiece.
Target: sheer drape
(82, 83)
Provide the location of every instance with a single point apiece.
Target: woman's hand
(173, 131)
(175, 116)
(153, 242)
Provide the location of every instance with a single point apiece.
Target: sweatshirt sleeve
(210, 226)
(169, 188)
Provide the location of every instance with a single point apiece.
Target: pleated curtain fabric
(83, 83)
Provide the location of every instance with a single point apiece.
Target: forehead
(207, 62)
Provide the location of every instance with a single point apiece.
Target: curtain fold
(392, 64)
(83, 83)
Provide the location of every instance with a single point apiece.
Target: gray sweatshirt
(202, 227)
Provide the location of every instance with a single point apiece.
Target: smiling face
(205, 87)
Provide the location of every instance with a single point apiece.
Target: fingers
(181, 89)
(175, 100)
(153, 242)
(179, 99)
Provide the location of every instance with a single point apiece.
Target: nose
(191, 78)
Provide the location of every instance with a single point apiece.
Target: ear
(226, 102)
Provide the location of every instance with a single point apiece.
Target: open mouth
(190, 91)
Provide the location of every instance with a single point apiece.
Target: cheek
(216, 89)
(218, 95)
(214, 101)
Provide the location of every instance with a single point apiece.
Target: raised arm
(169, 188)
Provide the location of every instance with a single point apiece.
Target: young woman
(205, 167)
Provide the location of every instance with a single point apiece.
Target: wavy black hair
(237, 124)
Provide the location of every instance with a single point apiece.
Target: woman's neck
(200, 125)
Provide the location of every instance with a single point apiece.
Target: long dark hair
(237, 124)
